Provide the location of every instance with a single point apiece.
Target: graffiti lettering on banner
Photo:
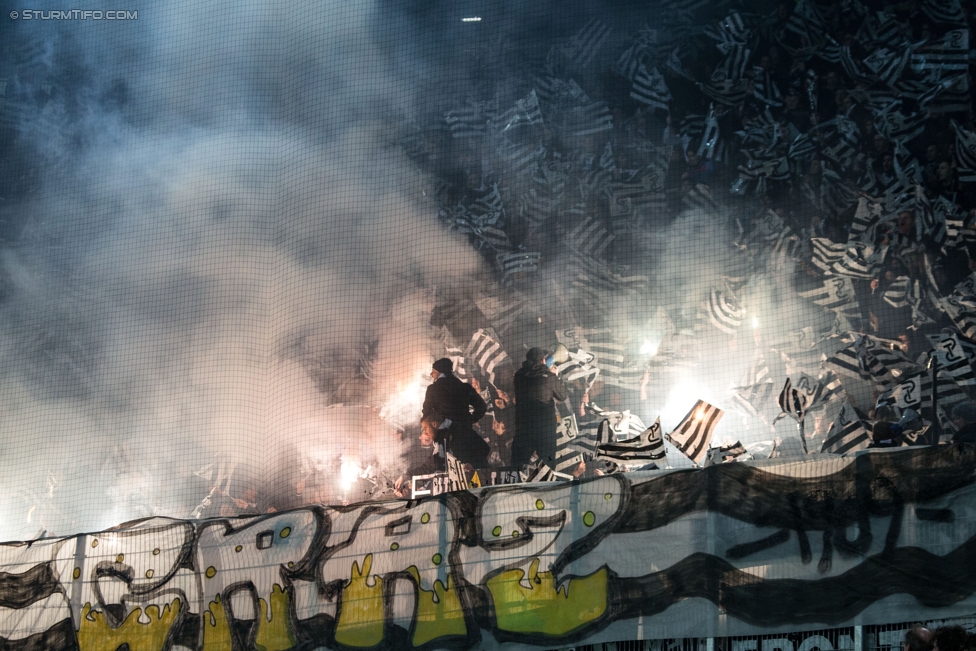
(456, 479)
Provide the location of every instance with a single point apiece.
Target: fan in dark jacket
(964, 417)
(536, 390)
(449, 397)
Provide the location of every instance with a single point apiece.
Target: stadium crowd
(832, 145)
(828, 147)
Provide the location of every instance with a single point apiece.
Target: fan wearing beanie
(457, 402)
(536, 390)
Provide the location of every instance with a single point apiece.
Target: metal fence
(876, 637)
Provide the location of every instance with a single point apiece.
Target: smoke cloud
(214, 239)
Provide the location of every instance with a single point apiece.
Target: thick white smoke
(207, 261)
(225, 242)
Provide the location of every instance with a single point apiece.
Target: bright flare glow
(755, 323)
(681, 398)
(472, 19)
(404, 406)
(649, 347)
(348, 473)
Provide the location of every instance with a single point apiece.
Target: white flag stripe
(694, 432)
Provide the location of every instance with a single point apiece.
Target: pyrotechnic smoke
(223, 240)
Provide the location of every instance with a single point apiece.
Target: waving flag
(648, 445)
(650, 89)
(586, 43)
(835, 293)
(916, 392)
(962, 311)
(965, 152)
(513, 265)
(724, 310)
(695, 430)
(847, 433)
(725, 454)
(955, 357)
(487, 353)
(755, 390)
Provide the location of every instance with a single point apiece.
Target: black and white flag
(955, 357)
(542, 473)
(579, 366)
(871, 359)
(486, 351)
(583, 47)
(650, 89)
(526, 112)
(513, 265)
(453, 352)
(599, 285)
(862, 261)
(916, 392)
(896, 295)
(648, 445)
(588, 120)
(726, 453)
(948, 54)
(836, 293)
(755, 390)
(520, 159)
(694, 433)
(482, 232)
(470, 121)
(700, 197)
(944, 12)
(962, 310)
(733, 66)
(734, 28)
(965, 152)
(807, 393)
(724, 310)
(727, 92)
(572, 447)
(793, 401)
(886, 64)
(630, 61)
(895, 125)
(590, 238)
(847, 433)
(501, 311)
(623, 424)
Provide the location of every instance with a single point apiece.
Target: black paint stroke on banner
(21, 590)
(871, 486)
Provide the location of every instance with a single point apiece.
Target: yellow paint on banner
(361, 611)
(439, 612)
(274, 634)
(95, 633)
(216, 631)
(540, 608)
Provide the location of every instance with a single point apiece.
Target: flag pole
(936, 422)
(803, 438)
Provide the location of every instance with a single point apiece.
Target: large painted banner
(734, 549)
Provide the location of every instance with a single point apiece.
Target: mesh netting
(236, 237)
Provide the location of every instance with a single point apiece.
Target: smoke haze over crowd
(222, 249)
